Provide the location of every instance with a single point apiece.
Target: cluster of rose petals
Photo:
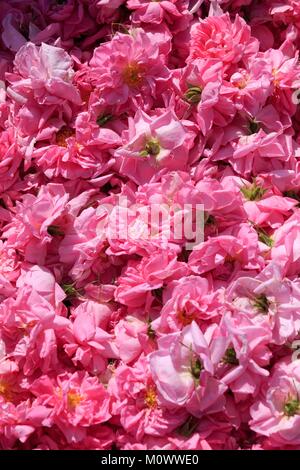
(138, 343)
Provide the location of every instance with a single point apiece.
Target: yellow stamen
(184, 318)
(62, 135)
(150, 397)
(276, 79)
(26, 327)
(5, 390)
(133, 74)
(241, 84)
(73, 398)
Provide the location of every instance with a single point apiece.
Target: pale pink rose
(91, 346)
(227, 253)
(253, 84)
(270, 211)
(141, 277)
(9, 263)
(219, 38)
(222, 203)
(256, 136)
(75, 401)
(20, 421)
(83, 247)
(276, 415)
(270, 300)
(205, 93)
(151, 218)
(188, 299)
(285, 74)
(82, 152)
(137, 402)
(37, 220)
(128, 69)
(134, 337)
(243, 354)
(183, 372)
(11, 158)
(31, 327)
(43, 282)
(44, 74)
(152, 143)
(285, 249)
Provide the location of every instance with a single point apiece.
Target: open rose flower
(43, 74)
(128, 68)
(153, 143)
(75, 401)
(220, 38)
(276, 415)
(183, 372)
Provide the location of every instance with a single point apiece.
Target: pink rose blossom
(75, 401)
(219, 38)
(154, 143)
(182, 370)
(128, 68)
(43, 74)
(276, 414)
(138, 405)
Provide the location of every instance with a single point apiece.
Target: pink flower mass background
(139, 343)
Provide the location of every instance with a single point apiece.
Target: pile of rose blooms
(136, 342)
